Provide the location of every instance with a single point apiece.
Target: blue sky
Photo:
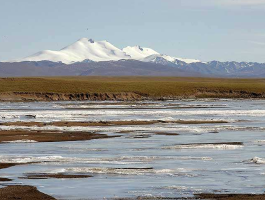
(222, 30)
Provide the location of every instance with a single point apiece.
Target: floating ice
(258, 160)
(205, 146)
(20, 141)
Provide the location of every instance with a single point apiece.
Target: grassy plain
(148, 86)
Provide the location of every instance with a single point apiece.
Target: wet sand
(109, 123)
(23, 193)
(57, 176)
(47, 136)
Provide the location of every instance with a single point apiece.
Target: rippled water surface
(212, 157)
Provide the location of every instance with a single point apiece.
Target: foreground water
(140, 162)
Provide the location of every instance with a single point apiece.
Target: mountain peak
(91, 40)
(138, 47)
(88, 49)
(83, 49)
(86, 40)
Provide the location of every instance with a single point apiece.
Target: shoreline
(123, 97)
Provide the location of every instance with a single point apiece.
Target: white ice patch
(204, 146)
(105, 114)
(128, 171)
(180, 188)
(20, 141)
(258, 160)
(259, 142)
(175, 187)
(28, 159)
(147, 128)
(123, 160)
(96, 170)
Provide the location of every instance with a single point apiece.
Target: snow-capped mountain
(89, 50)
(83, 49)
(88, 57)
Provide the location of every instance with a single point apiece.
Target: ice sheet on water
(152, 128)
(205, 146)
(130, 171)
(98, 114)
(29, 159)
(122, 160)
(259, 142)
(20, 141)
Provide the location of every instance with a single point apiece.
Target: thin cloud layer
(213, 3)
(239, 2)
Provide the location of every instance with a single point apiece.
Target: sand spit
(23, 193)
(7, 165)
(48, 136)
(57, 176)
(110, 123)
(5, 179)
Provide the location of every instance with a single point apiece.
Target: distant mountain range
(87, 57)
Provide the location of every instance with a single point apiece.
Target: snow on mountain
(150, 55)
(88, 50)
(165, 59)
(138, 52)
(186, 60)
(83, 49)
(159, 59)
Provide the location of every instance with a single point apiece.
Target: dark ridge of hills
(108, 68)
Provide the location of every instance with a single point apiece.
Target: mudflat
(22, 192)
(47, 136)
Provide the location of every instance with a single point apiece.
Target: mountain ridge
(88, 49)
(87, 57)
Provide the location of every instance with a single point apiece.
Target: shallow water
(141, 163)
